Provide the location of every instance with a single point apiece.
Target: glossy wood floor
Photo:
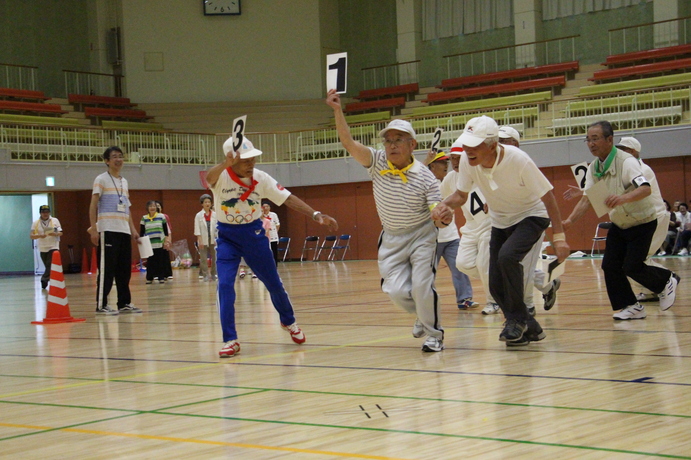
(152, 386)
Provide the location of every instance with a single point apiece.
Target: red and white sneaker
(295, 333)
(231, 348)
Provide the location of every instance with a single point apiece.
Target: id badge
(121, 207)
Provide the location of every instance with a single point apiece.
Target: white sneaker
(669, 293)
(636, 311)
(662, 253)
(491, 309)
(418, 329)
(295, 333)
(684, 252)
(433, 344)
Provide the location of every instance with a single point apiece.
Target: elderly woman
(155, 226)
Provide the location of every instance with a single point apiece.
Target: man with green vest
(632, 210)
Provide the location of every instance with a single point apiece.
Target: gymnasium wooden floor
(152, 385)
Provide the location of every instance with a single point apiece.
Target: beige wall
(270, 52)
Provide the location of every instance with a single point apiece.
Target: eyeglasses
(593, 140)
(397, 142)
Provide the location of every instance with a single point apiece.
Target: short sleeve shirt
(112, 191)
(43, 227)
(402, 205)
(231, 210)
(521, 186)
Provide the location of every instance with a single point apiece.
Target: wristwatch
(315, 214)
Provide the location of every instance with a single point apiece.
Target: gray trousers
(407, 265)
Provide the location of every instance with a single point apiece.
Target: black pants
(507, 248)
(274, 250)
(118, 267)
(156, 265)
(47, 258)
(625, 255)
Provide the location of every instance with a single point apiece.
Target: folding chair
(284, 240)
(311, 244)
(598, 238)
(343, 243)
(329, 243)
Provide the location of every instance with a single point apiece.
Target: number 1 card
(337, 72)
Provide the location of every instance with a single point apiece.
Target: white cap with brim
(630, 142)
(507, 132)
(246, 150)
(456, 147)
(477, 130)
(398, 125)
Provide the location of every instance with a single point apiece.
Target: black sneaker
(551, 297)
(533, 333)
(513, 330)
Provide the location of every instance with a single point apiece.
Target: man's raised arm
(360, 152)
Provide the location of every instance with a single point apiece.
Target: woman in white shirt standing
(206, 232)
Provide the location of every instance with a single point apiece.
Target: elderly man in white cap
(521, 204)
(631, 146)
(533, 276)
(633, 212)
(404, 192)
(238, 189)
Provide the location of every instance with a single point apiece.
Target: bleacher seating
(97, 113)
(502, 88)
(510, 75)
(665, 97)
(643, 69)
(398, 90)
(529, 98)
(368, 117)
(30, 107)
(639, 57)
(389, 103)
(132, 125)
(655, 116)
(632, 85)
(37, 120)
(84, 100)
(22, 94)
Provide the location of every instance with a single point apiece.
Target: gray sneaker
(433, 344)
(513, 331)
(551, 297)
(491, 309)
(106, 311)
(531, 310)
(130, 308)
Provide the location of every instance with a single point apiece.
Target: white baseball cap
(630, 142)
(398, 125)
(477, 130)
(507, 132)
(246, 149)
(456, 147)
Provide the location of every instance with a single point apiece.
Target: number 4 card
(337, 72)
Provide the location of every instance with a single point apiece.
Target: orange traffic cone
(58, 308)
(94, 264)
(85, 262)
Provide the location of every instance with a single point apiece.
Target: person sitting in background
(684, 228)
(672, 232)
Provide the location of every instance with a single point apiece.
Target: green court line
(345, 427)
(330, 393)
(213, 399)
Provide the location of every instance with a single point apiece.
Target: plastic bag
(183, 258)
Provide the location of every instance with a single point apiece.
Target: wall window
(448, 18)
(553, 9)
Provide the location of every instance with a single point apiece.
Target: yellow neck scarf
(397, 172)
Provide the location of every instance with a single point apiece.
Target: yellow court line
(196, 367)
(203, 441)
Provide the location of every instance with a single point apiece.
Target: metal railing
(659, 34)
(18, 76)
(92, 83)
(626, 110)
(532, 54)
(384, 76)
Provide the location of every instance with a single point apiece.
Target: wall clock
(221, 7)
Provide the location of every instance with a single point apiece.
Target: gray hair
(491, 140)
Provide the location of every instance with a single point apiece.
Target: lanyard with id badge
(121, 206)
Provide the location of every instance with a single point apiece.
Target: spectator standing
(205, 224)
(275, 225)
(47, 230)
(154, 226)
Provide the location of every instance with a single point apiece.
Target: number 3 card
(337, 72)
